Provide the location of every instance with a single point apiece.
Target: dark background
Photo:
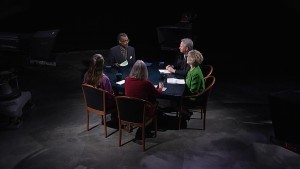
(260, 38)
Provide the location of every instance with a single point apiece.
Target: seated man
(122, 54)
(181, 67)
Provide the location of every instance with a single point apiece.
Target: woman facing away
(94, 76)
(137, 85)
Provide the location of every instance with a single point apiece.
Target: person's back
(142, 89)
(122, 54)
(138, 85)
(94, 75)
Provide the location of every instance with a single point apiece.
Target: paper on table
(175, 81)
(163, 71)
(120, 82)
(125, 63)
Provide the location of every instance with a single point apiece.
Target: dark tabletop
(172, 92)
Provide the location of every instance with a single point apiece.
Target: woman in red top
(137, 85)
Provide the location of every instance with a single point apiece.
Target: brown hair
(95, 72)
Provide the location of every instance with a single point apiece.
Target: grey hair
(188, 43)
(139, 70)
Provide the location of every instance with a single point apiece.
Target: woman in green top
(194, 82)
(194, 79)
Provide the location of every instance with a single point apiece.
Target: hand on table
(170, 69)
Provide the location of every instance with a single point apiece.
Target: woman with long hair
(95, 76)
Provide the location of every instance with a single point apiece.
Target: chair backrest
(131, 109)
(206, 70)
(94, 97)
(202, 97)
(209, 83)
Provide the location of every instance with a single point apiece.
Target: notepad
(120, 82)
(125, 63)
(175, 81)
(163, 71)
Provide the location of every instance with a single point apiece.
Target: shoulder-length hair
(95, 72)
(196, 56)
(139, 70)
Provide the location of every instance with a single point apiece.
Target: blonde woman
(194, 79)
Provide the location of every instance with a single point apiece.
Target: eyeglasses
(125, 40)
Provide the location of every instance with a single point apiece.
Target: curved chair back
(198, 102)
(206, 70)
(132, 112)
(95, 102)
(94, 98)
(131, 109)
(204, 95)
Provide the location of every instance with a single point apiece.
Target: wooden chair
(206, 70)
(96, 102)
(198, 102)
(132, 113)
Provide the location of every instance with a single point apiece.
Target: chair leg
(204, 118)
(120, 134)
(201, 113)
(105, 128)
(102, 122)
(179, 120)
(155, 125)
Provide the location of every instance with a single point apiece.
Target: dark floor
(54, 136)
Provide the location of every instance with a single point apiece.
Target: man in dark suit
(122, 54)
(181, 67)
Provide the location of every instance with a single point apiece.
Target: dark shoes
(183, 124)
(138, 139)
(148, 135)
(186, 115)
(139, 142)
